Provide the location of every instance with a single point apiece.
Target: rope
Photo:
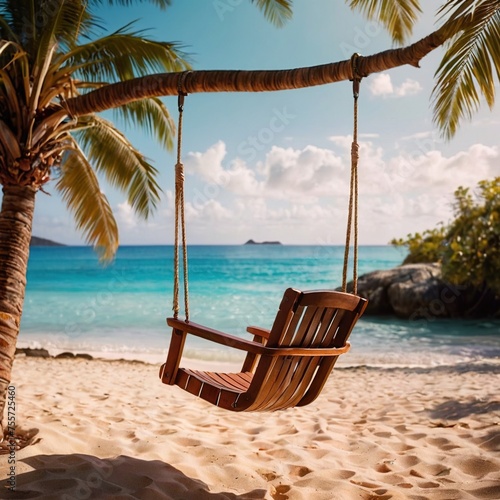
(180, 221)
(352, 217)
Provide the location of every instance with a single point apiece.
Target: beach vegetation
(468, 247)
(58, 72)
(426, 246)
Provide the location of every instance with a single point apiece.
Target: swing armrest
(257, 331)
(249, 346)
(260, 335)
(216, 336)
(168, 371)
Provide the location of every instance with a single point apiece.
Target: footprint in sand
(299, 470)
(476, 466)
(268, 475)
(279, 492)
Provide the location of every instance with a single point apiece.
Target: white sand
(111, 430)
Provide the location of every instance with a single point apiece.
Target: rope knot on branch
(356, 75)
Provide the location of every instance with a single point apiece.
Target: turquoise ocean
(75, 303)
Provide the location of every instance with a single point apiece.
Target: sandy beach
(109, 429)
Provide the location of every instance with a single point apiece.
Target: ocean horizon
(75, 303)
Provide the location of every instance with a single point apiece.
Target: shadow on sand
(79, 477)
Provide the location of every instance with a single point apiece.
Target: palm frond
(123, 165)
(276, 11)
(19, 16)
(152, 116)
(6, 31)
(470, 64)
(122, 56)
(80, 190)
(50, 127)
(397, 16)
(39, 73)
(10, 95)
(9, 141)
(76, 20)
(10, 52)
(162, 4)
(63, 24)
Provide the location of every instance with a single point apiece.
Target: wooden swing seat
(284, 367)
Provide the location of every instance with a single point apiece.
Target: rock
(65, 355)
(71, 355)
(413, 291)
(84, 355)
(34, 353)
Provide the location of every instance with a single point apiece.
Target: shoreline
(480, 366)
(111, 429)
(353, 359)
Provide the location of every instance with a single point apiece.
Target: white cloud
(381, 85)
(300, 195)
(408, 87)
(209, 211)
(125, 215)
(343, 141)
(434, 171)
(207, 165)
(302, 174)
(154, 230)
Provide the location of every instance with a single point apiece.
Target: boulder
(65, 355)
(33, 353)
(412, 291)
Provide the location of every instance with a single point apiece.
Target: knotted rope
(180, 223)
(352, 217)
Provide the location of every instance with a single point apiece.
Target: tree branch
(164, 84)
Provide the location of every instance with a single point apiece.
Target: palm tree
(43, 63)
(49, 54)
(51, 89)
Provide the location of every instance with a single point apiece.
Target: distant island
(252, 242)
(42, 242)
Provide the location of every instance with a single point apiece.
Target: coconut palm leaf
(471, 64)
(10, 98)
(122, 55)
(162, 4)
(6, 32)
(39, 74)
(9, 141)
(276, 11)
(397, 16)
(110, 152)
(59, 24)
(37, 22)
(79, 188)
(18, 19)
(152, 116)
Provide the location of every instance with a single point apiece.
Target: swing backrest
(320, 319)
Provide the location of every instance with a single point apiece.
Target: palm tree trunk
(16, 217)
(118, 94)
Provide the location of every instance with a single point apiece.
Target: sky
(275, 165)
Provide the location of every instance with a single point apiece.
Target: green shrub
(469, 247)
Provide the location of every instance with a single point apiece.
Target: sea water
(73, 302)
